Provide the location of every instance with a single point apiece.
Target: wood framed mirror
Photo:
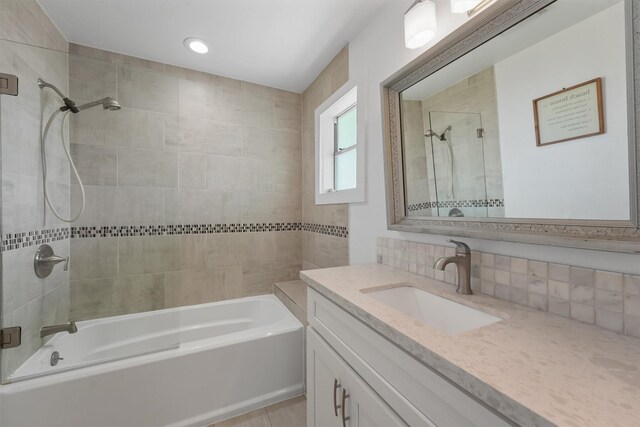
(462, 123)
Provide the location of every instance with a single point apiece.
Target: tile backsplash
(607, 299)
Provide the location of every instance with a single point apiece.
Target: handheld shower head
(111, 104)
(69, 106)
(107, 103)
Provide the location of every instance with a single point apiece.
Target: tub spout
(54, 329)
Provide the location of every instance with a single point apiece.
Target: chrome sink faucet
(54, 329)
(462, 260)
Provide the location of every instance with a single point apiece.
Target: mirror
(520, 126)
(533, 124)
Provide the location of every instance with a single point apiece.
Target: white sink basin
(446, 316)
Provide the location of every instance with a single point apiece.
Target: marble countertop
(534, 367)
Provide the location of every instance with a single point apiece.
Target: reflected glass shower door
(457, 154)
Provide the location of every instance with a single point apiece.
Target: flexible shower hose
(65, 145)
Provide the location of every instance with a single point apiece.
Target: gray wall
(30, 47)
(194, 188)
(188, 148)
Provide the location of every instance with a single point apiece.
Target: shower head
(441, 136)
(111, 104)
(107, 103)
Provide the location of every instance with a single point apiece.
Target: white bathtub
(228, 358)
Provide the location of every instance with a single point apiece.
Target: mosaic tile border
(12, 241)
(168, 230)
(180, 229)
(25, 239)
(479, 203)
(606, 299)
(330, 230)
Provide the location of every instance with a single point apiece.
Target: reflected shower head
(440, 136)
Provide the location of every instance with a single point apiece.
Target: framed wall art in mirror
(473, 127)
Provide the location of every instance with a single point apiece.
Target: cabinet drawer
(396, 376)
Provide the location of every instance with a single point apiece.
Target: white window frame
(337, 151)
(325, 143)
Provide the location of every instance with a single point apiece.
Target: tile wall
(474, 179)
(607, 299)
(31, 47)
(322, 248)
(416, 167)
(193, 188)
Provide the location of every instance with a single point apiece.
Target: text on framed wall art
(571, 113)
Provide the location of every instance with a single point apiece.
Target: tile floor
(290, 413)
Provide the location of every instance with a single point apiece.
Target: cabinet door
(333, 387)
(365, 408)
(325, 376)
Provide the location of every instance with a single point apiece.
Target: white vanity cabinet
(340, 397)
(380, 384)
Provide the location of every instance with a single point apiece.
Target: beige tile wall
(30, 47)
(607, 299)
(321, 250)
(416, 173)
(475, 94)
(187, 148)
(24, 21)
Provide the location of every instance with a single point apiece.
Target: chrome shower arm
(42, 84)
(68, 103)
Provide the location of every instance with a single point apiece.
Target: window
(339, 149)
(345, 155)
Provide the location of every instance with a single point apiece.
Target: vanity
(372, 362)
(519, 126)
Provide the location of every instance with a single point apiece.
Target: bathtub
(225, 358)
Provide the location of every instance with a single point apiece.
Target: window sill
(354, 195)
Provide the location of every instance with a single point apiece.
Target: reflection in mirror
(475, 144)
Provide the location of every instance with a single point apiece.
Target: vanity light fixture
(463, 6)
(420, 24)
(470, 7)
(196, 45)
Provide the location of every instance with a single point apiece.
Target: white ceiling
(279, 43)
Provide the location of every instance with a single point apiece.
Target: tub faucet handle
(55, 259)
(45, 259)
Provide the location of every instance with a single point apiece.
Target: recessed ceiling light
(196, 45)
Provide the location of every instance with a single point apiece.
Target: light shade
(196, 45)
(463, 6)
(420, 24)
